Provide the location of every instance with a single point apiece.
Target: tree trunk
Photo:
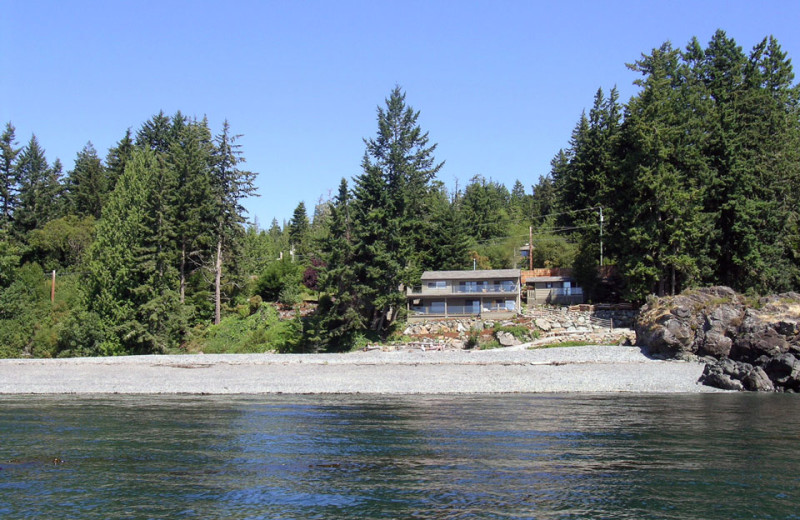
(183, 273)
(218, 283)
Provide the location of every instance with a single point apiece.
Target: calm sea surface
(443, 457)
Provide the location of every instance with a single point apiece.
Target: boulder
(758, 381)
(543, 325)
(507, 339)
(784, 370)
(713, 375)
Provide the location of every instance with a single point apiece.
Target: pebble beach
(412, 371)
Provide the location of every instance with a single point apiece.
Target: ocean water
(710, 456)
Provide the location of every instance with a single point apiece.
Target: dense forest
(694, 181)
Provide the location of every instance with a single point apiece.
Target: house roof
(482, 274)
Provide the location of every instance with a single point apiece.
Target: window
(468, 287)
(437, 307)
(438, 284)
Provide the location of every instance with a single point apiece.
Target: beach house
(488, 293)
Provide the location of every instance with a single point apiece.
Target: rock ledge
(748, 344)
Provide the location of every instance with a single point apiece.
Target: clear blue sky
(499, 84)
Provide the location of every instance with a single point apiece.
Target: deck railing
(503, 288)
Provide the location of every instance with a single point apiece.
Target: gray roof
(482, 274)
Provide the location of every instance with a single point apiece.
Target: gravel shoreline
(511, 370)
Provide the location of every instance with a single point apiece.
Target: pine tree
(132, 276)
(340, 315)
(9, 183)
(190, 161)
(117, 158)
(157, 133)
(662, 242)
(752, 150)
(299, 229)
(87, 184)
(40, 188)
(389, 208)
(229, 186)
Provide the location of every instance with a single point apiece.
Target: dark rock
(716, 345)
(758, 381)
(752, 345)
(784, 371)
(757, 346)
(713, 375)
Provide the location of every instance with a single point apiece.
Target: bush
(276, 277)
(520, 332)
(473, 339)
(261, 332)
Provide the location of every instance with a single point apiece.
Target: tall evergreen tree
(663, 238)
(87, 184)
(190, 162)
(389, 206)
(40, 188)
(118, 156)
(340, 315)
(299, 228)
(132, 280)
(229, 186)
(9, 184)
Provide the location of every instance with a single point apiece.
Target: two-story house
(492, 294)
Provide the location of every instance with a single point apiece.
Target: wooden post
(530, 248)
(53, 288)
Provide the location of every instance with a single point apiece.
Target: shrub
(277, 276)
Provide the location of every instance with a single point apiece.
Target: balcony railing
(504, 288)
(565, 291)
(460, 310)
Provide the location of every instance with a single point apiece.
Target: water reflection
(512, 456)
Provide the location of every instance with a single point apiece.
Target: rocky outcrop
(748, 344)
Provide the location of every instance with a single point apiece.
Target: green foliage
(473, 339)
(520, 332)
(260, 332)
(276, 277)
(62, 242)
(9, 180)
(87, 184)
(693, 182)
(40, 191)
(10, 255)
(299, 229)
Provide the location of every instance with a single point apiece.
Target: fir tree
(229, 186)
(298, 229)
(9, 183)
(117, 158)
(40, 188)
(87, 184)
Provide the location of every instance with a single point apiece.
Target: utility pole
(53, 288)
(601, 236)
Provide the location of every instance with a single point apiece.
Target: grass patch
(520, 332)
(489, 345)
